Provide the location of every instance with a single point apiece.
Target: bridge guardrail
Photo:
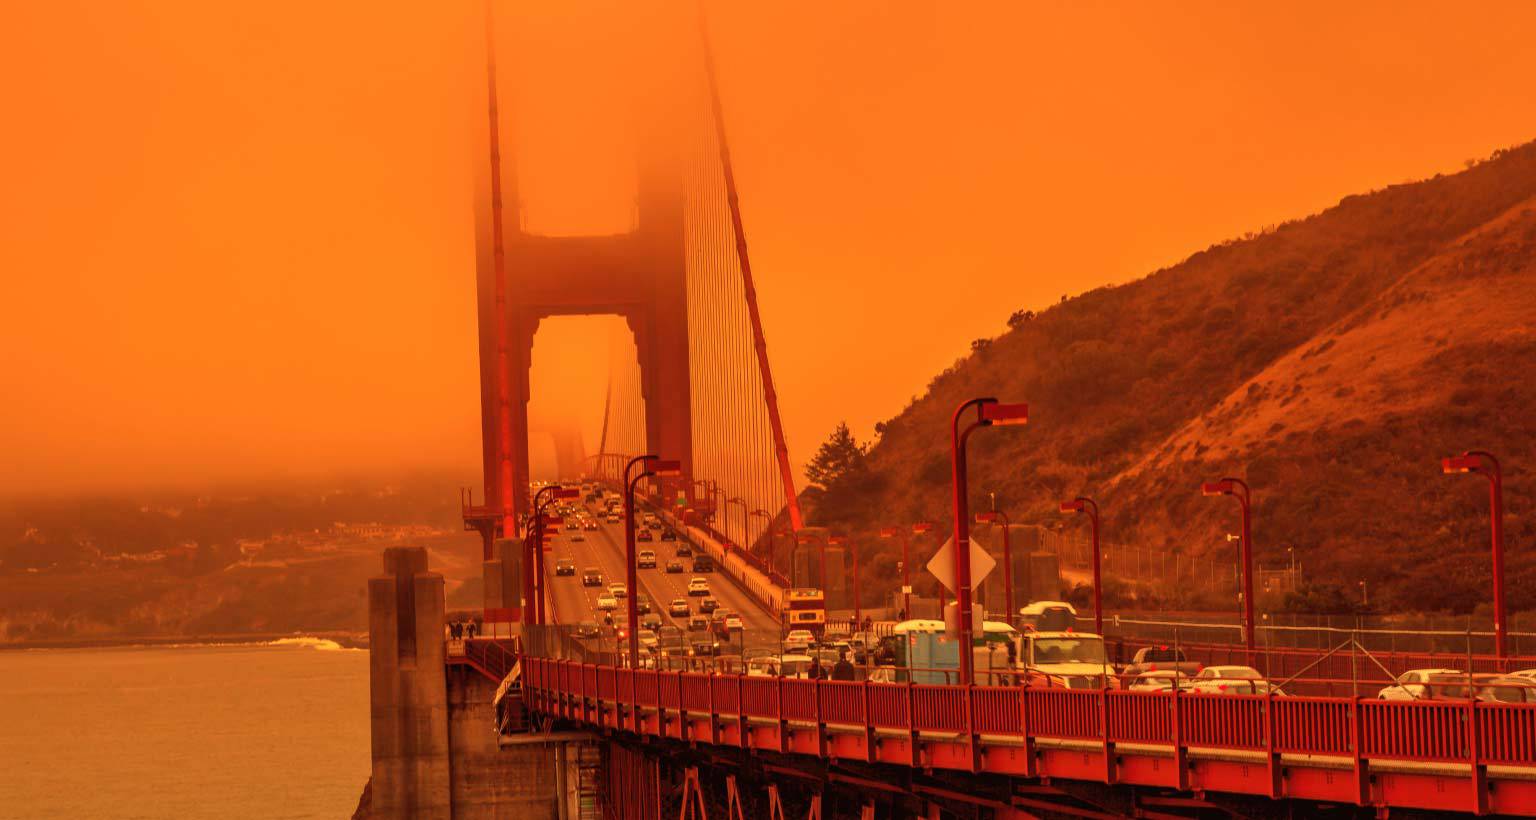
(1358, 729)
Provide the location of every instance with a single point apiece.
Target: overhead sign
(942, 565)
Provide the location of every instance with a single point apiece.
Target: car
(618, 591)
(589, 524)
(668, 535)
(671, 638)
(674, 567)
(683, 551)
(1410, 684)
(1158, 681)
(1494, 688)
(703, 563)
(642, 604)
(788, 665)
(698, 586)
(698, 623)
(1231, 680)
(648, 640)
(645, 559)
(643, 535)
(565, 566)
(1160, 658)
(577, 536)
(679, 608)
(592, 577)
(613, 518)
(571, 524)
(708, 604)
(705, 648)
(725, 622)
(605, 600)
(587, 629)
(798, 640)
(650, 621)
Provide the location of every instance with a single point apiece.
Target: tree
(1019, 317)
(839, 458)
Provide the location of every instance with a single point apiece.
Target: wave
(311, 642)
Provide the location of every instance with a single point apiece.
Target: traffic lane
(572, 602)
(675, 585)
(599, 551)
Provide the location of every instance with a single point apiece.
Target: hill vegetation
(1330, 361)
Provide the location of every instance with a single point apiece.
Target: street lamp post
(1237, 488)
(988, 413)
(992, 518)
(767, 529)
(839, 541)
(744, 517)
(906, 566)
(1084, 504)
(652, 466)
(1478, 461)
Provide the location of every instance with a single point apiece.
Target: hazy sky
(235, 238)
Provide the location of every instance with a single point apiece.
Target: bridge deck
(1427, 755)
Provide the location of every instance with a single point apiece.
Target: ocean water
(277, 730)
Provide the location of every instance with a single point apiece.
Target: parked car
(1232, 680)
(645, 559)
(698, 586)
(565, 566)
(1161, 658)
(708, 604)
(1410, 684)
(679, 608)
(592, 577)
(674, 567)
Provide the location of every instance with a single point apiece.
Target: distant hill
(1330, 361)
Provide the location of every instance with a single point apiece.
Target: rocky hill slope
(1330, 361)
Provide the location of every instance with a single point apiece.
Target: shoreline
(347, 640)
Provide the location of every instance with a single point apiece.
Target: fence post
(917, 757)
(1272, 755)
(869, 723)
(1362, 787)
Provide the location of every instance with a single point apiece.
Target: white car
(798, 640)
(698, 586)
(1525, 673)
(1231, 680)
(1159, 681)
(1410, 684)
(618, 591)
(606, 600)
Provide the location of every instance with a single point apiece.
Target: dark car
(565, 566)
(668, 535)
(642, 604)
(703, 563)
(592, 578)
(683, 551)
(643, 535)
(707, 648)
(674, 567)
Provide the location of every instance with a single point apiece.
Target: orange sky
(236, 239)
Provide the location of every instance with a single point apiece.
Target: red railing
(1353, 732)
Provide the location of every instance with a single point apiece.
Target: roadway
(603, 549)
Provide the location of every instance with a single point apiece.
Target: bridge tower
(522, 278)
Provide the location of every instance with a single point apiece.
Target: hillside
(1330, 361)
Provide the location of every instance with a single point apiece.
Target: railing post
(1110, 769)
(1031, 762)
(869, 724)
(972, 741)
(743, 733)
(1180, 753)
(1474, 757)
(1362, 786)
(913, 738)
(783, 724)
(821, 728)
(684, 730)
(714, 716)
(1271, 754)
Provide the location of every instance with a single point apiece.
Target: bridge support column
(408, 690)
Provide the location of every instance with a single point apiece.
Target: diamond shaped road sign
(942, 565)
